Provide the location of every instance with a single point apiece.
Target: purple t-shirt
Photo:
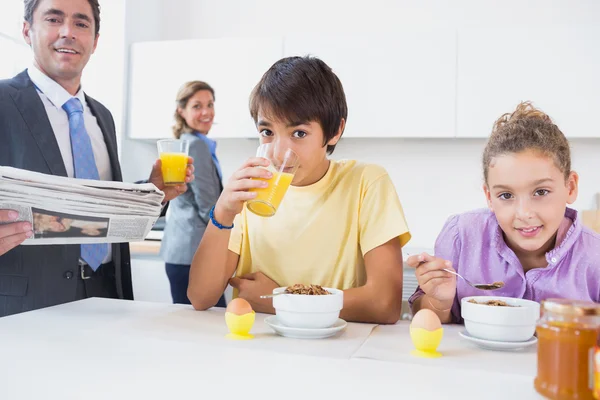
(474, 243)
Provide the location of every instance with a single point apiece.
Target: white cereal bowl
(308, 311)
(504, 324)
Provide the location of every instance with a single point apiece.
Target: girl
(529, 239)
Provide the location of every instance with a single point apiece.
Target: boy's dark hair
(528, 128)
(31, 5)
(302, 89)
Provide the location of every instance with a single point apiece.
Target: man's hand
(251, 287)
(171, 192)
(12, 233)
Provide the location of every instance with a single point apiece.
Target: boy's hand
(236, 192)
(435, 282)
(251, 286)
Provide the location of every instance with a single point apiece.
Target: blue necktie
(84, 164)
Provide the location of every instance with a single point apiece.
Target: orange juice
(267, 200)
(173, 167)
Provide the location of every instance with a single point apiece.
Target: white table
(393, 343)
(110, 349)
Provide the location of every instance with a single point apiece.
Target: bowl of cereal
(307, 306)
(504, 319)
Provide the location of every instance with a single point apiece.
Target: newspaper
(74, 211)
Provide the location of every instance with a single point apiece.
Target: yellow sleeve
(237, 234)
(381, 217)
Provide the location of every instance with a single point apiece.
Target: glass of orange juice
(173, 154)
(283, 164)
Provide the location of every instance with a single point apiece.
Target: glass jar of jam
(567, 335)
(597, 369)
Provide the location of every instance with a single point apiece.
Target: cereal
(313, 290)
(497, 303)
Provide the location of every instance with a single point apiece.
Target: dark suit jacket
(33, 277)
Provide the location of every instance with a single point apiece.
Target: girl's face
(528, 194)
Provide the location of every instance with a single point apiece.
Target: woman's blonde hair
(528, 128)
(183, 96)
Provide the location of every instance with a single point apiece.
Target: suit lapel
(110, 137)
(34, 114)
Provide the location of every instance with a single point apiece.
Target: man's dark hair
(31, 6)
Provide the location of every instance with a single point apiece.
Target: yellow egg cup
(239, 325)
(426, 342)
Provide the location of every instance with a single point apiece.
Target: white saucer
(496, 345)
(304, 333)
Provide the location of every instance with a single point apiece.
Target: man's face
(62, 37)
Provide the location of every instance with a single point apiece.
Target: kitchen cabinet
(555, 68)
(397, 85)
(232, 66)
(148, 275)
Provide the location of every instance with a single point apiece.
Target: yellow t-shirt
(321, 232)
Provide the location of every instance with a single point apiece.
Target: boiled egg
(239, 306)
(426, 319)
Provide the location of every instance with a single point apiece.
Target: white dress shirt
(54, 96)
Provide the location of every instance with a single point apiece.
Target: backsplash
(434, 177)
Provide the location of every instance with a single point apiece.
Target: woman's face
(199, 111)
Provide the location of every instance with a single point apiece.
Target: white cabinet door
(231, 66)
(397, 85)
(149, 279)
(557, 69)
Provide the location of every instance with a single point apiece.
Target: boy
(340, 225)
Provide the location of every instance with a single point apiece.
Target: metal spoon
(480, 286)
(268, 296)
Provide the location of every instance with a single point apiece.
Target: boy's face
(305, 138)
(528, 195)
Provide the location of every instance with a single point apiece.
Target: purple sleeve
(447, 246)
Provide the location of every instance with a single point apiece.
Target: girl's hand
(433, 280)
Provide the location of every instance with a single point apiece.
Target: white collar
(57, 94)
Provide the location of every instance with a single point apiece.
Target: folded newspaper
(73, 211)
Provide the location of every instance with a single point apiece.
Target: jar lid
(571, 307)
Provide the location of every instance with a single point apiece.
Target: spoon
(268, 296)
(480, 286)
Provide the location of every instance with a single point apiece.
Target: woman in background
(188, 214)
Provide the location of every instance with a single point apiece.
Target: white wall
(104, 76)
(434, 178)
(11, 18)
(210, 18)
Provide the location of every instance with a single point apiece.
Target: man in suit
(49, 125)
